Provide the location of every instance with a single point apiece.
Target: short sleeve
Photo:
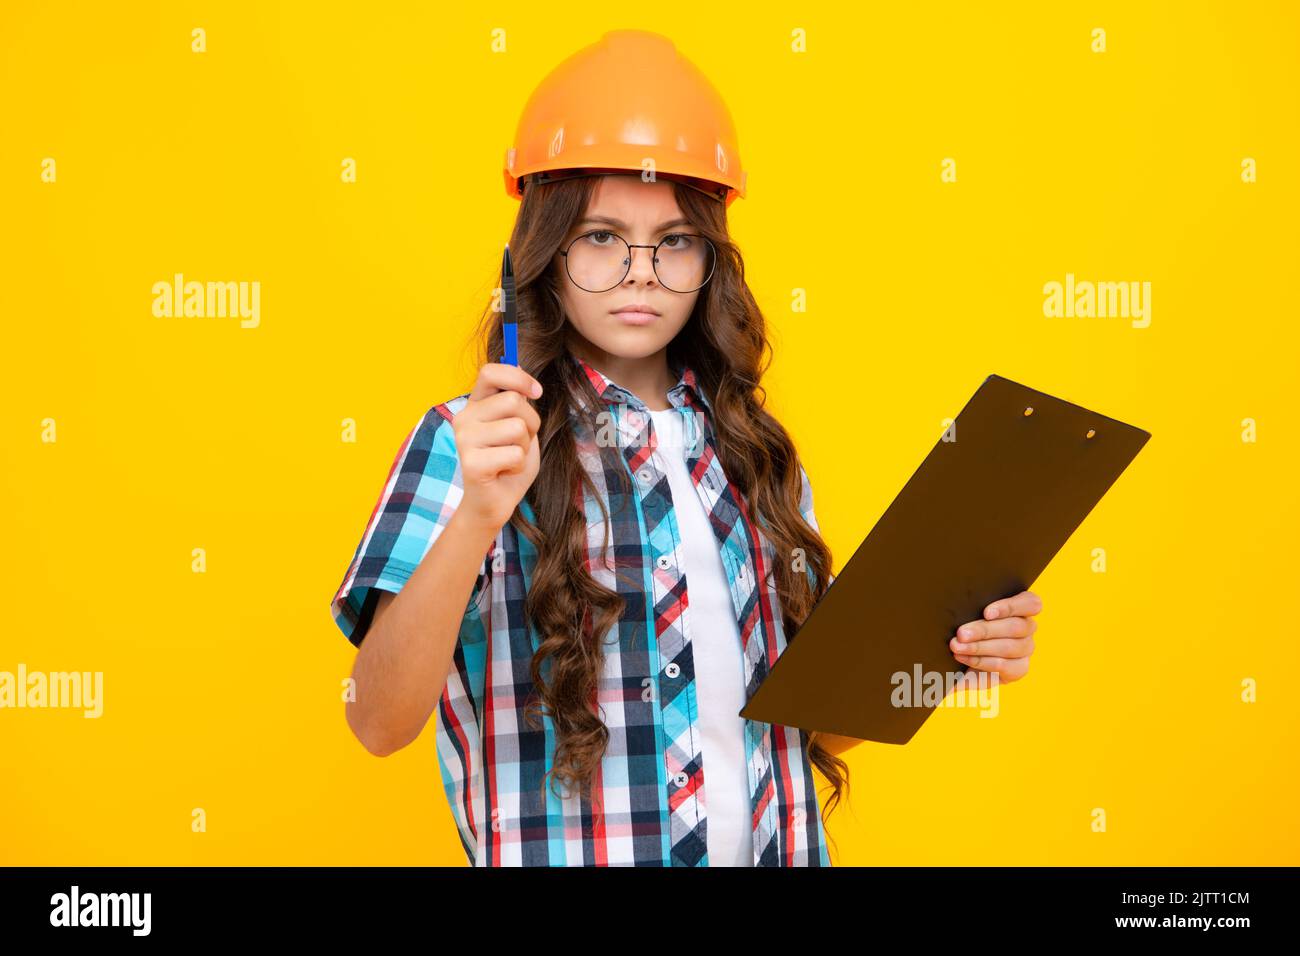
(422, 491)
(810, 516)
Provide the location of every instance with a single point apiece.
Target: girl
(584, 566)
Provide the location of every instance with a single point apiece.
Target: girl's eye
(677, 241)
(592, 237)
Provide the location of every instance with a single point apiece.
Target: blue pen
(509, 329)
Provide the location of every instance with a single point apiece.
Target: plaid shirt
(652, 783)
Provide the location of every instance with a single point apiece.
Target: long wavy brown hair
(725, 342)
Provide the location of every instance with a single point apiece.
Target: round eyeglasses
(598, 261)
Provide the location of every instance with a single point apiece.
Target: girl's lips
(635, 318)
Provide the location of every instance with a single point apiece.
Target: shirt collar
(687, 389)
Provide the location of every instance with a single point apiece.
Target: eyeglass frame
(654, 259)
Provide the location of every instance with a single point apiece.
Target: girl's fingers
(488, 463)
(1026, 603)
(508, 404)
(1006, 668)
(1003, 627)
(982, 663)
(503, 431)
(998, 647)
(495, 376)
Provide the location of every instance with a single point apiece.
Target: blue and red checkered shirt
(652, 782)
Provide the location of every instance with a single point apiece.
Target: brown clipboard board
(994, 501)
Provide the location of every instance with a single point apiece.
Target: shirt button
(680, 779)
(646, 475)
(672, 670)
(664, 562)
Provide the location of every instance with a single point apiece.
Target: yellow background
(222, 689)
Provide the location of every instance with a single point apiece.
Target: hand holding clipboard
(979, 520)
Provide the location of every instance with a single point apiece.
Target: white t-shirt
(719, 666)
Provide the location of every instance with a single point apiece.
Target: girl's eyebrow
(622, 225)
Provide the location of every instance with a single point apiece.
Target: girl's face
(642, 213)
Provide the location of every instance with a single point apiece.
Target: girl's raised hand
(496, 441)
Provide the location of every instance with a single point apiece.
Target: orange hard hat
(627, 103)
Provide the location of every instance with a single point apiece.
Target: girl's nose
(642, 266)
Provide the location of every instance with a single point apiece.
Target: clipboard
(997, 497)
